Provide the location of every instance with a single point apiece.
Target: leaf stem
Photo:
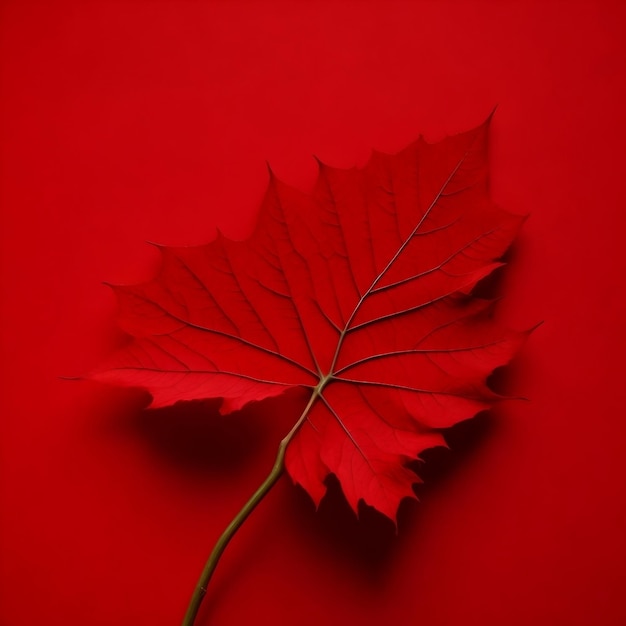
(240, 518)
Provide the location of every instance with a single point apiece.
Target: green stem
(240, 518)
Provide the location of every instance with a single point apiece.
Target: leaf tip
(493, 111)
(154, 244)
(219, 235)
(111, 285)
(272, 175)
(320, 164)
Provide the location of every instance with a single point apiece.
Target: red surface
(123, 122)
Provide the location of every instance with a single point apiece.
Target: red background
(125, 122)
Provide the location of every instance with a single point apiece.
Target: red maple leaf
(359, 292)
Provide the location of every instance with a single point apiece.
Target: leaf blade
(359, 291)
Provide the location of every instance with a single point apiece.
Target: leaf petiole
(277, 471)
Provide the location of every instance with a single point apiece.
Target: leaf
(361, 293)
